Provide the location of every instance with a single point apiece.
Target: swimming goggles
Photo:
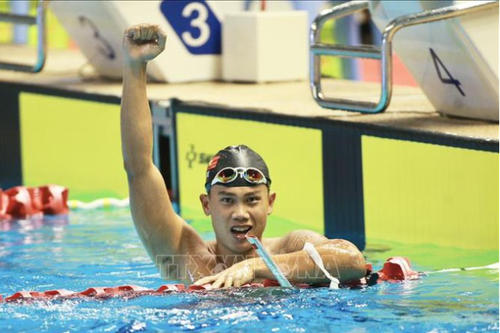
(229, 174)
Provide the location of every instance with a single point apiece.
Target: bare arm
(341, 259)
(159, 227)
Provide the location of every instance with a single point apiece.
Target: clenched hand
(143, 42)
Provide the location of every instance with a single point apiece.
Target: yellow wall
(5, 28)
(417, 193)
(72, 143)
(293, 155)
(330, 66)
(57, 37)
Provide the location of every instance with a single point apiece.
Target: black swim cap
(236, 157)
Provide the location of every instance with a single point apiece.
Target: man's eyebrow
(252, 193)
(221, 193)
(226, 193)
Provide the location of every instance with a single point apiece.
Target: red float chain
(126, 291)
(22, 202)
(395, 269)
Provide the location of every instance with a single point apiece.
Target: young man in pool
(238, 199)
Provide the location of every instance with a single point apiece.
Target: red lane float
(395, 269)
(23, 202)
(4, 204)
(54, 199)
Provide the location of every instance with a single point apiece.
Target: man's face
(236, 211)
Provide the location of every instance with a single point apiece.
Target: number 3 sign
(195, 24)
(193, 29)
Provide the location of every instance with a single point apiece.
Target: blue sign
(196, 25)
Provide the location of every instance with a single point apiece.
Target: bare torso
(202, 258)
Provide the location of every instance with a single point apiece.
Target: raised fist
(143, 42)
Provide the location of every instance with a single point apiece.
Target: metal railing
(40, 21)
(383, 53)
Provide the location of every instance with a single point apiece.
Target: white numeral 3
(199, 22)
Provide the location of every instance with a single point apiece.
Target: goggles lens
(227, 175)
(253, 175)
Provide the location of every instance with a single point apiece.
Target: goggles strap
(316, 257)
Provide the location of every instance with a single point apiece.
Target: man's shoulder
(273, 244)
(193, 243)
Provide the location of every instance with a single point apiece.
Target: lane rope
(99, 203)
(495, 266)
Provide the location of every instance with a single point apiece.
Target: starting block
(450, 47)
(454, 61)
(193, 28)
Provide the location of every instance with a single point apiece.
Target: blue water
(101, 248)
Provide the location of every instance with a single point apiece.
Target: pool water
(101, 249)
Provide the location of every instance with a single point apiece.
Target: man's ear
(272, 197)
(205, 203)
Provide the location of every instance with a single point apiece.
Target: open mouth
(242, 230)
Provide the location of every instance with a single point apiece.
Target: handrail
(40, 21)
(384, 54)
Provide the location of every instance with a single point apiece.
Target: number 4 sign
(196, 25)
(439, 64)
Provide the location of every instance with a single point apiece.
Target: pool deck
(409, 108)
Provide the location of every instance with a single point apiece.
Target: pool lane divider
(125, 291)
(22, 202)
(449, 270)
(396, 269)
(99, 203)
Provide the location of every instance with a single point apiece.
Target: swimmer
(238, 199)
